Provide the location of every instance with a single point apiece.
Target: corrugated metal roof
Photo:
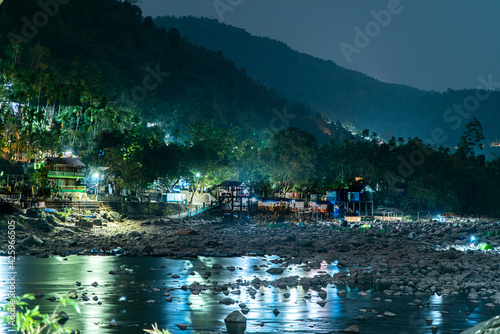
(64, 161)
(361, 188)
(230, 184)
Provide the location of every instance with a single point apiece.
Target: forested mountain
(82, 67)
(96, 77)
(345, 95)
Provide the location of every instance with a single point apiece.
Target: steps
(60, 205)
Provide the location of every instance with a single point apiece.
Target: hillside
(96, 78)
(341, 94)
(103, 55)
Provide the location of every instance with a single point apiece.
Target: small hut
(234, 196)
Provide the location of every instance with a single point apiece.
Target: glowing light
(96, 175)
(198, 174)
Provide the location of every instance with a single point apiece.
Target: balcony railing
(71, 189)
(61, 174)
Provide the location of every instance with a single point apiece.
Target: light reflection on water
(127, 303)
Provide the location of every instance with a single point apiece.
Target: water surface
(127, 298)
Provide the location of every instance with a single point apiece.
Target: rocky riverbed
(398, 259)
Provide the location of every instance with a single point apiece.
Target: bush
(30, 321)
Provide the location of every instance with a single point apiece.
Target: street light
(197, 178)
(96, 177)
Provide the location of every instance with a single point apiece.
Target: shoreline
(425, 257)
(393, 258)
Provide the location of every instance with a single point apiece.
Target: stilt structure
(234, 196)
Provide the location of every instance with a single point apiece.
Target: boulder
(62, 317)
(72, 243)
(159, 222)
(51, 219)
(32, 240)
(306, 243)
(60, 216)
(187, 232)
(343, 248)
(351, 329)
(182, 326)
(449, 255)
(235, 317)
(227, 301)
(33, 213)
(275, 271)
(117, 272)
(115, 216)
(85, 223)
(45, 227)
(42, 255)
(133, 234)
(236, 323)
(471, 275)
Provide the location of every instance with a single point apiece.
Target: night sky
(436, 44)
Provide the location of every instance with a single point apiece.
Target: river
(127, 298)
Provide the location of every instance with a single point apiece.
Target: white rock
(351, 329)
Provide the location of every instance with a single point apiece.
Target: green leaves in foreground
(155, 330)
(28, 320)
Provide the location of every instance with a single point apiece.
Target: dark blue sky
(428, 44)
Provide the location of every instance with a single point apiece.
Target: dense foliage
(29, 320)
(99, 65)
(123, 94)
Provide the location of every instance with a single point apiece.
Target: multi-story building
(65, 176)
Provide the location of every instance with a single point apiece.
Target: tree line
(408, 174)
(64, 88)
